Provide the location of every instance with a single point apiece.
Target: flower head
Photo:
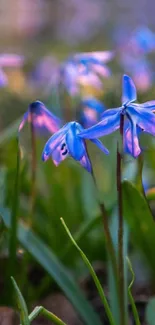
(85, 69)
(143, 40)
(42, 119)
(91, 112)
(139, 117)
(6, 61)
(66, 142)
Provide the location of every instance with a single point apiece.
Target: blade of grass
(53, 266)
(134, 309)
(47, 314)
(93, 274)
(24, 318)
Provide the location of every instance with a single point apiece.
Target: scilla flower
(42, 119)
(85, 69)
(66, 142)
(91, 111)
(138, 117)
(8, 61)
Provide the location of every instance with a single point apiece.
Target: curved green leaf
(53, 266)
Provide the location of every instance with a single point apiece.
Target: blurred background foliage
(40, 29)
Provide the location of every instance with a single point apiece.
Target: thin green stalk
(47, 314)
(21, 304)
(14, 220)
(121, 281)
(134, 309)
(108, 238)
(34, 168)
(93, 274)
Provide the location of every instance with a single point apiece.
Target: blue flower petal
(74, 143)
(43, 120)
(54, 142)
(142, 117)
(59, 153)
(100, 145)
(89, 117)
(149, 105)
(102, 56)
(110, 122)
(129, 93)
(3, 79)
(85, 162)
(131, 142)
(94, 104)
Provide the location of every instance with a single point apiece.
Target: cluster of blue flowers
(70, 139)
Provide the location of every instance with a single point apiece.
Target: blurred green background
(37, 29)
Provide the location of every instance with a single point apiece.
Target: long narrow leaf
(47, 314)
(134, 309)
(24, 318)
(94, 276)
(140, 222)
(53, 266)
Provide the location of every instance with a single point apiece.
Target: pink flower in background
(9, 61)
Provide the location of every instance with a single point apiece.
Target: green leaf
(53, 266)
(140, 221)
(150, 312)
(133, 305)
(21, 305)
(94, 276)
(112, 287)
(47, 314)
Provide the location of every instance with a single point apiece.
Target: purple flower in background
(139, 117)
(66, 142)
(46, 73)
(44, 122)
(85, 69)
(91, 111)
(8, 61)
(140, 70)
(142, 40)
(81, 69)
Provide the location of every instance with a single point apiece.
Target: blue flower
(43, 120)
(138, 117)
(66, 142)
(143, 39)
(91, 112)
(8, 60)
(85, 69)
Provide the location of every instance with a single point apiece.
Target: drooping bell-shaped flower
(66, 142)
(44, 122)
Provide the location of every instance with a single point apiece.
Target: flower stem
(14, 223)
(108, 238)
(33, 176)
(120, 228)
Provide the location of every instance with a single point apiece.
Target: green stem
(47, 314)
(34, 167)
(94, 276)
(121, 281)
(108, 238)
(14, 220)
